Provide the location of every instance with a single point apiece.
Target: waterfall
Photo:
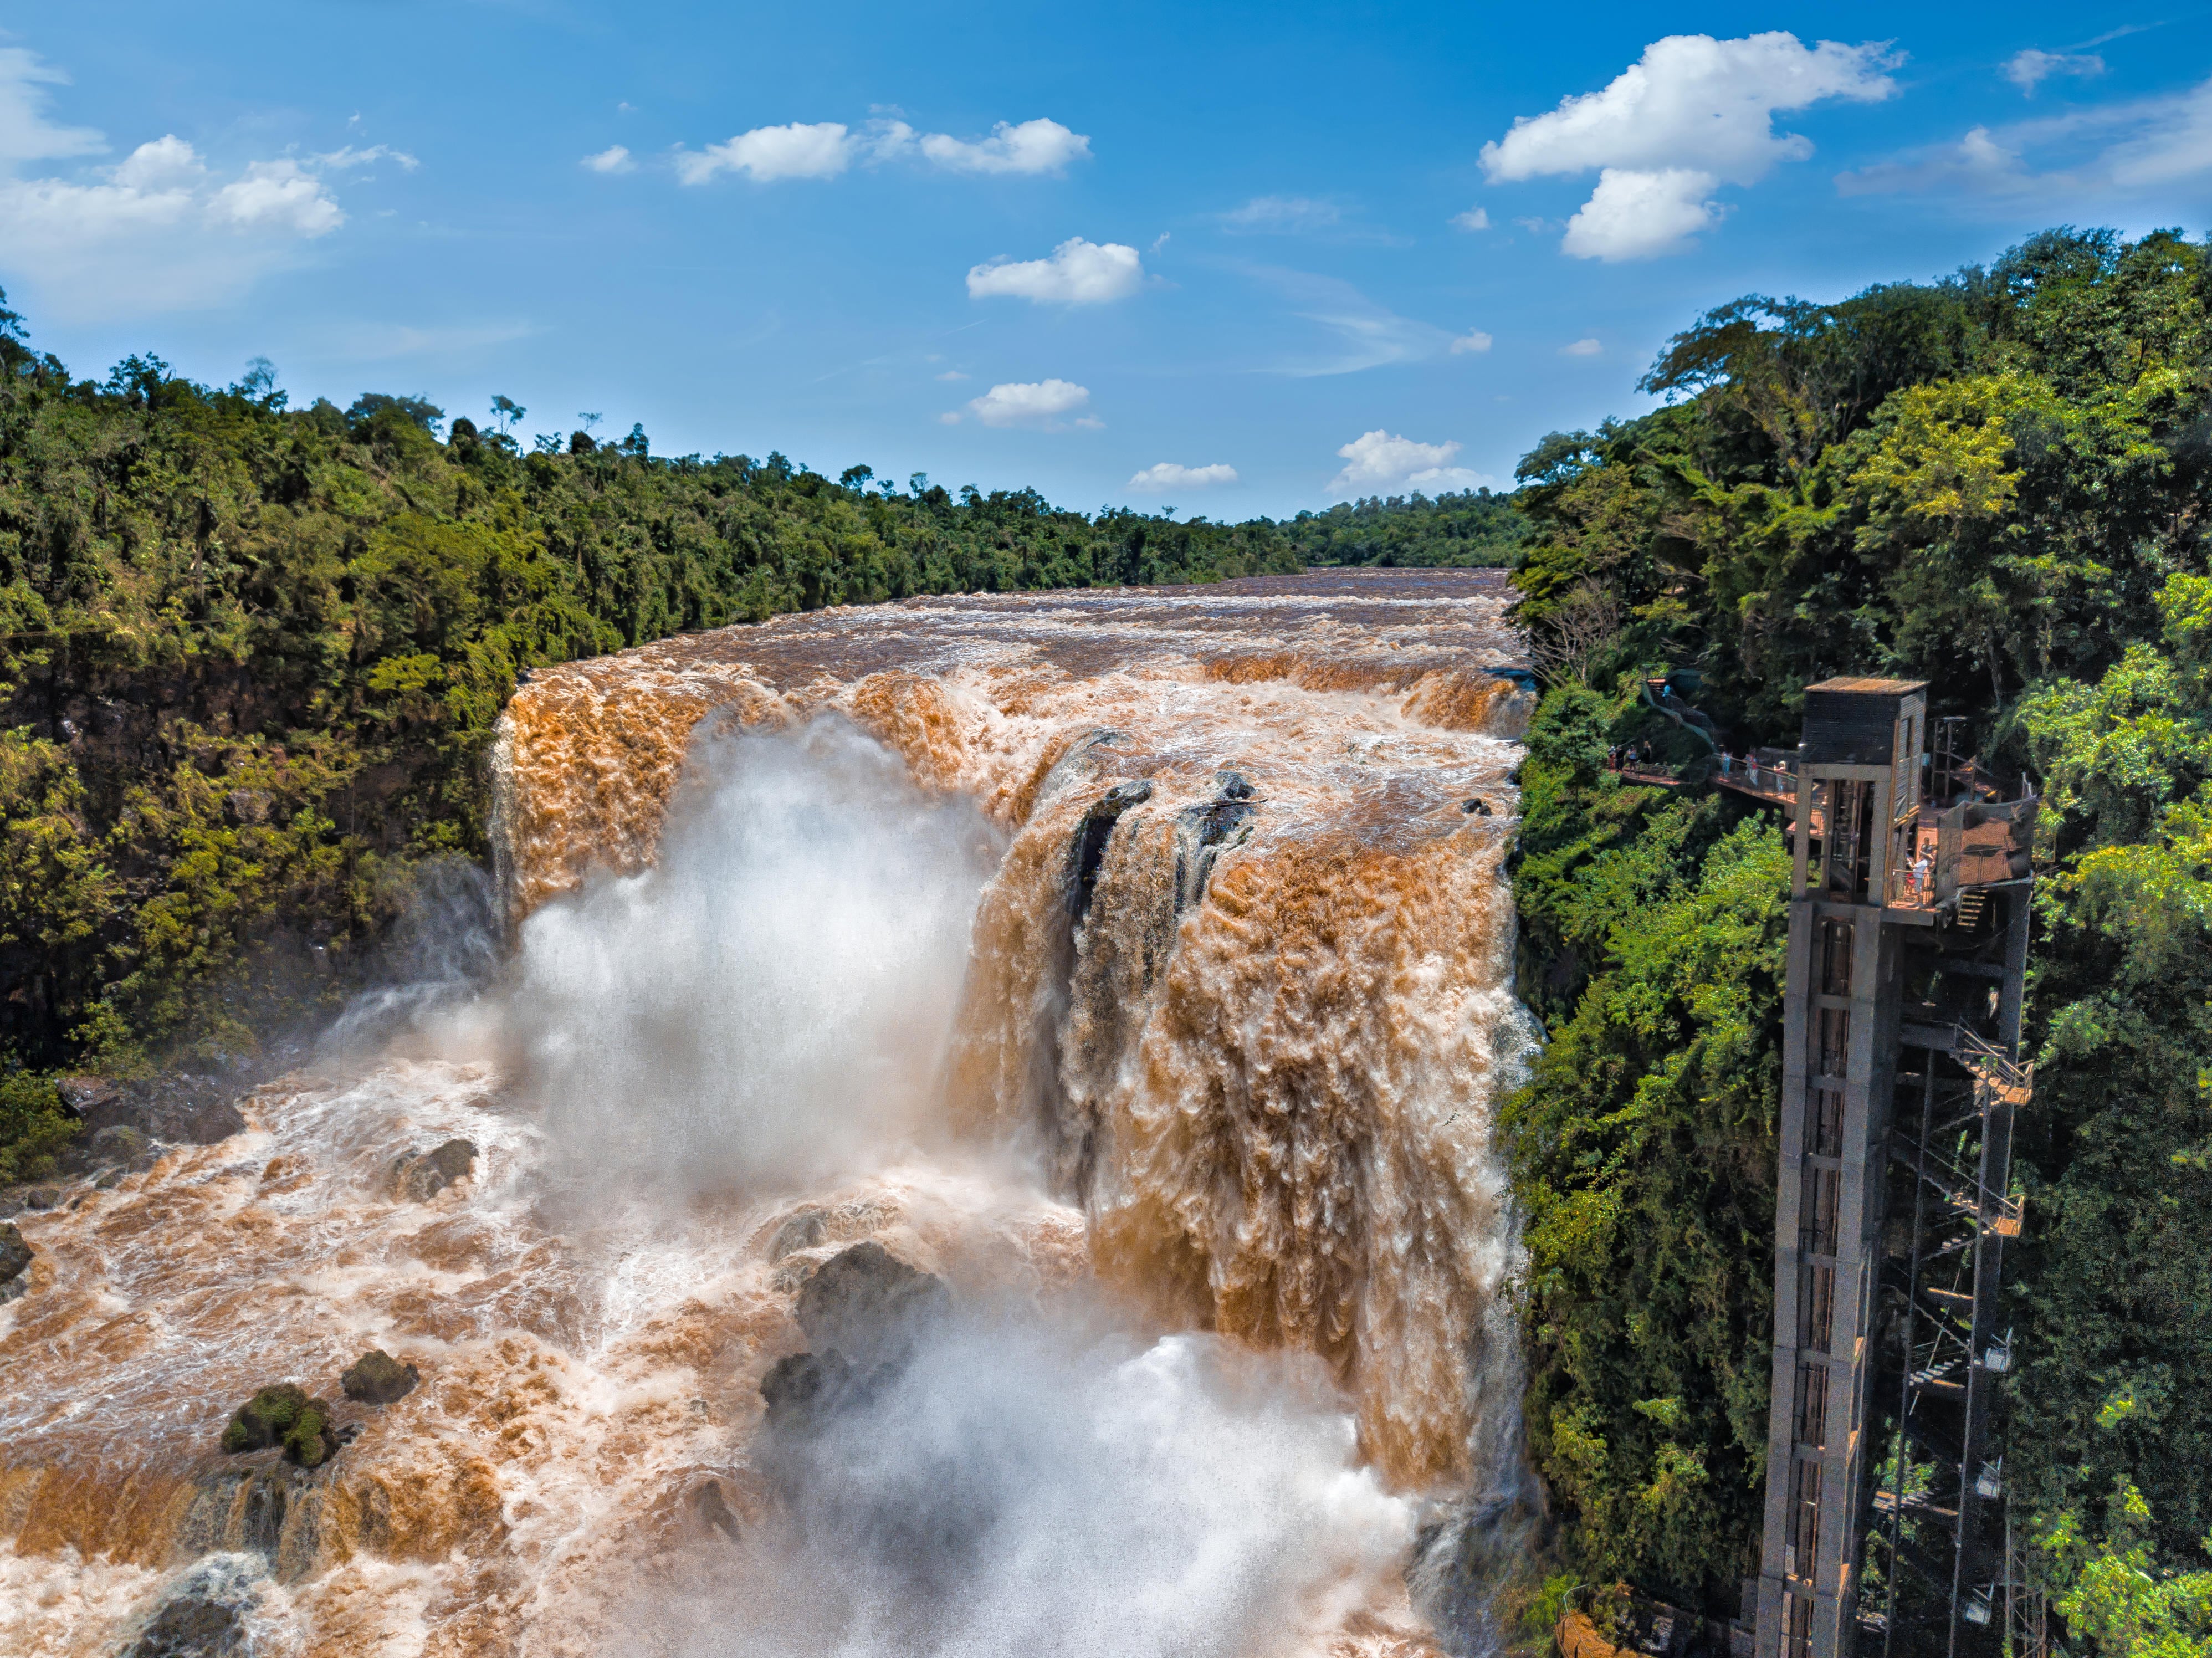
(1138, 965)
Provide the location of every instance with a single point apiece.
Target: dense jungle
(1997, 482)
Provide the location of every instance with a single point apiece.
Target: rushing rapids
(1139, 964)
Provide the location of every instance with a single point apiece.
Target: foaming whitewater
(1137, 964)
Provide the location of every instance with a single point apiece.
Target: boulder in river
(869, 1305)
(420, 1176)
(16, 1257)
(203, 1617)
(802, 1231)
(377, 1378)
(283, 1415)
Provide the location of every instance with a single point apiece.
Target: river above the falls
(1122, 978)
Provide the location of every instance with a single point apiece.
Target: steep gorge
(1139, 963)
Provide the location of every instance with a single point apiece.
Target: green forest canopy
(1997, 483)
(250, 656)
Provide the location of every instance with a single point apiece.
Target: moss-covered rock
(283, 1415)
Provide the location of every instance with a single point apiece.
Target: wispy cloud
(615, 158)
(824, 149)
(2120, 149)
(1582, 348)
(1284, 215)
(2031, 69)
(1474, 219)
(1368, 334)
(1475, 340)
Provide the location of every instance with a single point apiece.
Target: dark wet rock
(377, 1378)
(204, 1616)
(84, 1095)
(174, 1108)
(1234, 785)
(714, 1509)
(41, 1196)
(191, 1628)
(1477, 807)
(1202, 833)
(1087, 850)
(1081, 760)
(420, 1176)
(803, 1389)
(283, 1415)
(803, 1231)
(15, 1254)
(117, 1142)
(16, 1257)
(869, 1305)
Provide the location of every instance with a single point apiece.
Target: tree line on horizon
(251, 657)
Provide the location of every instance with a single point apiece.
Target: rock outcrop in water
(15, 1258)
(283, 1415)
(377, 1378)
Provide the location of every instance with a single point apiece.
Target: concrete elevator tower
(1908, 932)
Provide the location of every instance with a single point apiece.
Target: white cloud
(1155, 480)
(1376, 463)
(952, 374)
(1690, 115)
(2029, 69)
(1040, 403)
(26, 135)
(1077, 273)
(1474, 219)
(1585, 347)
(1640, 215)
(1039, 146)
(1473, 340)
(1287, 214)
(613, 159)
(160, 230)
(823, 150)
(279, 196)
(167, 163)
(797, 151)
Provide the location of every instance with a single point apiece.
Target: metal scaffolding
(1901, 1081)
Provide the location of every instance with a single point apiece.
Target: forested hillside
(251, 656)
(1997, 483)
(1475, 528)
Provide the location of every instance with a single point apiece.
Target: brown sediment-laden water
(982, 1142)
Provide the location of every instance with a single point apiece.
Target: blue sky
(1118, 252)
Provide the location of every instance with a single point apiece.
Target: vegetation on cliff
(251, 657)
(1998, 483)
